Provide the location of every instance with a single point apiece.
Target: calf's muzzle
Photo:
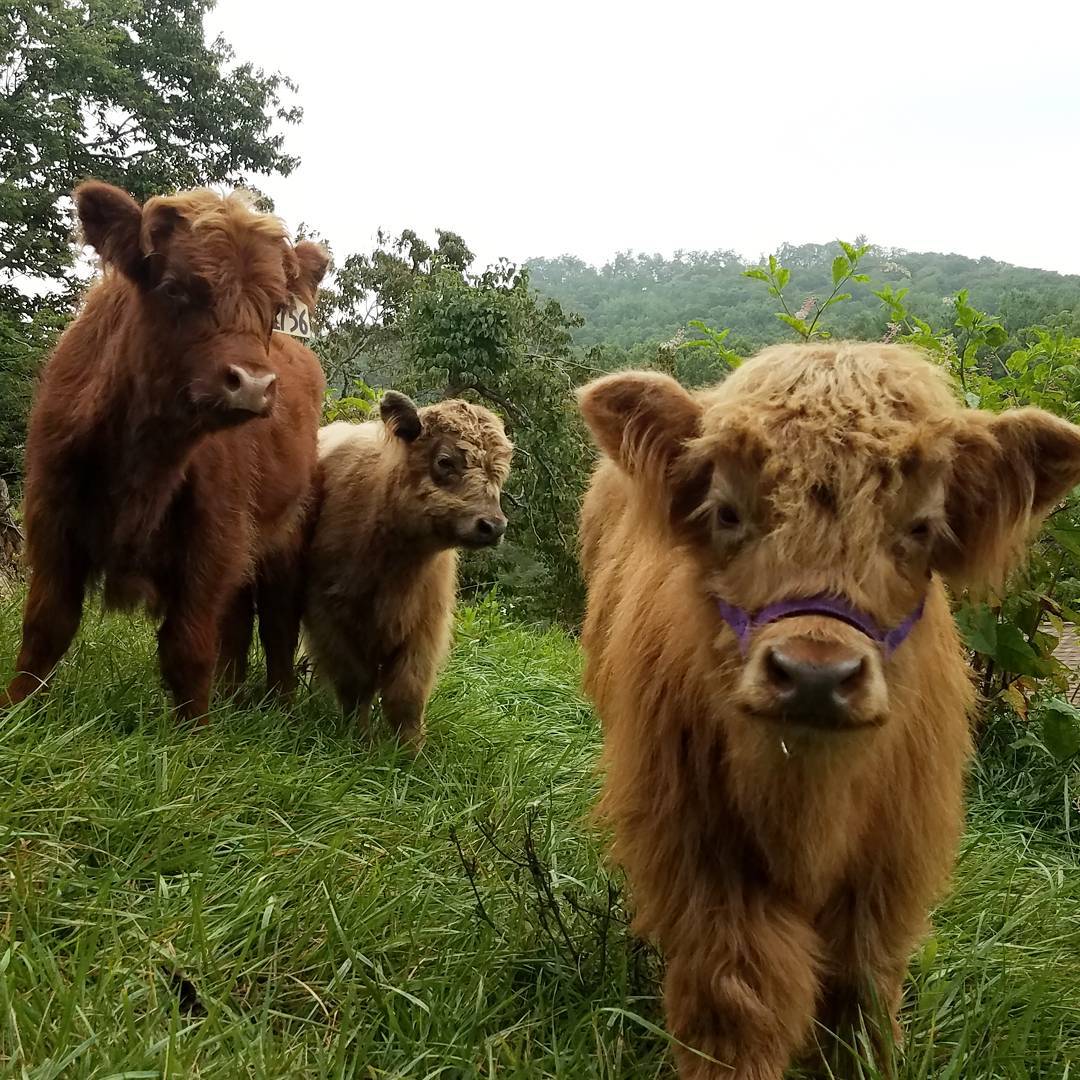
(814, 672)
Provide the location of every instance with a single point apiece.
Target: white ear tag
(293, 319)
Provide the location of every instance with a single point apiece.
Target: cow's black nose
(489, 530)
(817, 692)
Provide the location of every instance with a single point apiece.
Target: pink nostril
(246, 392)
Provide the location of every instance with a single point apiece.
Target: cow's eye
(171, 289)
(727, 517)
(919, 530)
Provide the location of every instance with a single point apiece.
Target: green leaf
(783, 276)
(1013, 653)
(996, 336)
(840, 268)
(850, 251)
(978, 625)
(757, 273)
(838, 299)
(798, 325)
(1061, 729)
(1069, 539)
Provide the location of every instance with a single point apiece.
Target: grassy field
(273, 897)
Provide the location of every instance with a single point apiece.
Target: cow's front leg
(740, 991)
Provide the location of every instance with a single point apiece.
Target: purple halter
(744, 623)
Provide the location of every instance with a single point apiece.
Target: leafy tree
(370, 295)
(23, 343)
(128, 91)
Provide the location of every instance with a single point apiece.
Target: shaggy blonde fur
(785, 870)
(398, 498)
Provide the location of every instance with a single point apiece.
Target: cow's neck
(150, 437)
(800, 794)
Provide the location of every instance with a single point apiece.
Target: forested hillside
(638, 298)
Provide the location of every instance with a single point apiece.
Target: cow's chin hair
(777, 722)
(762, 738)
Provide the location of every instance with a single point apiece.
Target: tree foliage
(127, 91)
(637, 298)
(23, 344)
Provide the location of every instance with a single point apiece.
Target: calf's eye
(919, 530)
(727, 517)
(173, 290)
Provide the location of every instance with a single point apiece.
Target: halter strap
(744, 623)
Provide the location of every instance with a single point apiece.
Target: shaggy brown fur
(172, 443)
(397, 499)
(786, 868)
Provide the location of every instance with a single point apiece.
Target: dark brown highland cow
(785, 700)
(172, 442)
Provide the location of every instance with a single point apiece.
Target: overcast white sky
(590, 127)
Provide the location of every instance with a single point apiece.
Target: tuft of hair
(474, 424)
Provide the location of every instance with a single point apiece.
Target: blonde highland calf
(398, 498)
(784, 697)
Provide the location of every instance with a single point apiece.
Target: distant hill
(640, 298)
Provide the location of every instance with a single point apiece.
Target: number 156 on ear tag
(293, 319)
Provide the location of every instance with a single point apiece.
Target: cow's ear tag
(293, 319)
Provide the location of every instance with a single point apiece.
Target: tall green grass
(275, 897)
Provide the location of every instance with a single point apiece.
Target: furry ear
(400, 416)
(640, 419)
(1008, 472)
(112, 224)
(643, 421)
(312, 262)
